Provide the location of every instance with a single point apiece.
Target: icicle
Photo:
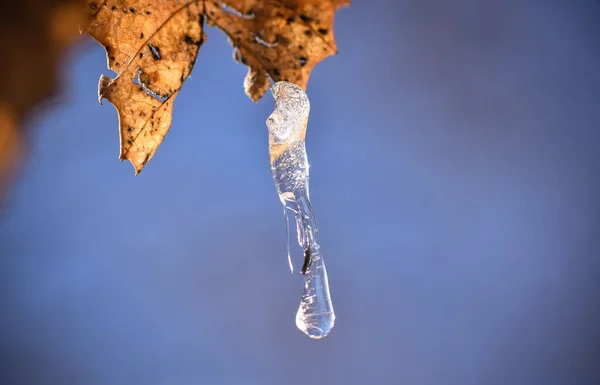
(289, 166)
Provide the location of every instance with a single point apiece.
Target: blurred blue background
(454, 153)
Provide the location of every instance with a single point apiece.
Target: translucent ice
(289, 167)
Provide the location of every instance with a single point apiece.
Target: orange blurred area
(33, 35)
(9, 146)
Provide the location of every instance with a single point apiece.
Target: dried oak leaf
(152, 46)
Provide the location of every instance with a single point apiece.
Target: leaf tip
(137, 168)
(256, 83)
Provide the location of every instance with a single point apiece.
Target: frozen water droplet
(315, 316)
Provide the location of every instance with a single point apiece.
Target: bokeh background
(454, 153)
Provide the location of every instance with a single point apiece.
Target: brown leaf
(152, 46)
(283, 39)
(33, 35)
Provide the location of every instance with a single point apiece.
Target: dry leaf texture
(152, 46)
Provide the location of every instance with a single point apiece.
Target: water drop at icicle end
(289, 167)
(315, 316)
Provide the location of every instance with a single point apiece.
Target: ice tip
(315, 332)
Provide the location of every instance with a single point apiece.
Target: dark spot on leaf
(308, 32)
(141, 35)
(129, 129)
(129, 142)
(305, 18)
(282, 40)
(323, 31)
(132, 10)
(300, 46)
(302, 61)
(113, 7)
(141, 55)
(93, 5)
(290, 19)
(276, 72)
(188, 40)
(112, 58)
(148, 13)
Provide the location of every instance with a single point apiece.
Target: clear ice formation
(289, 167)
